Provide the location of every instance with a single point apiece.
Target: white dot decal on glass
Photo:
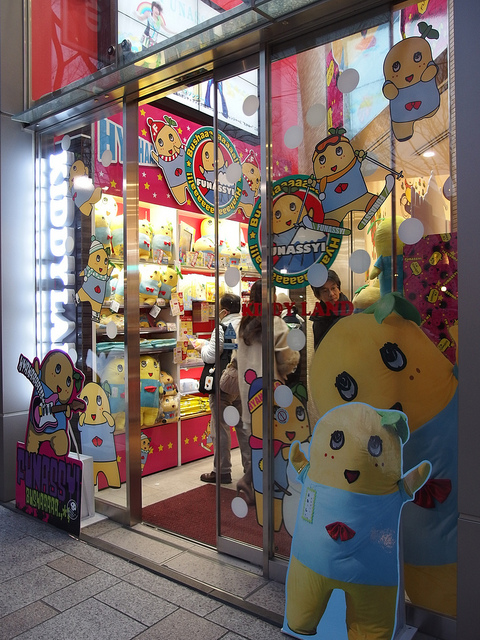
(69, 244)
(250, 105)
(411, 231)
(316, 115)
(293, 137)
(317, 274)
(111, 329)
(296, 339)
(283, 396)
(239, 507)
(233, 172)
(107, 158)
(231, 416)
(348, 80)
(232, 276)
(66, 143)
(359, 261)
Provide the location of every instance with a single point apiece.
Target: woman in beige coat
(249, 358)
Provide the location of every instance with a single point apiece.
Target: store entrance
(195, 200)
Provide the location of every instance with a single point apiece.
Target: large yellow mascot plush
(346, 534)
(383, 358)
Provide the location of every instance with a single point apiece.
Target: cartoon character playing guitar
(57, 383)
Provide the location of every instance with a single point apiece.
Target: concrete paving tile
(175, 593)
(29, 587)
(98, 529)
(98, 558)
(24, 554)
(142, 546)
(183, 624)
(136, 603)
(87, 620)
(244, 624)
(25, 618)
(271, 597)
(235, 581)
(80, 590)
(73, 567)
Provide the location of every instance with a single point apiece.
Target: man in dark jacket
(332, 306)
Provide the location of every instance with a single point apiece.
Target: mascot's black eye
(396, 66)
(300, 413)
(119, 368)
(99, 401)
(337, 440)
(393, 357)
(322, 159)
(58, 368)
(346, 386)
(339, 151)
(292, 206)
(417, 56)
(69, 381)
(375, 446)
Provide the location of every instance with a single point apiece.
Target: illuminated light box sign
(57, 295)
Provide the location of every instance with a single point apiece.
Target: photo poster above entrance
(176, 165)
(49, 478)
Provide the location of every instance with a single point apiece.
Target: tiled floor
(53, 586)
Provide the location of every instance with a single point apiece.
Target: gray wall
(17, 246)
(467, 88)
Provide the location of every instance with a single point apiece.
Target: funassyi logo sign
(299, 237)
(200, 172)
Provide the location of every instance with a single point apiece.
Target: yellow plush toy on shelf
(116, 228)
(382, 269)
(150, 277)
(149, 390)
(162, 243)
(144, 239)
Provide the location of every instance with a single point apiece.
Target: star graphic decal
(187, 441)
(142, 112)
(147, 186)
(144, 133)
(113, 183)
(170, 445)
(160, 447)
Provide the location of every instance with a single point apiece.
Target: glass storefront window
(364, 245)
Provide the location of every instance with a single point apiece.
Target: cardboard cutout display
(95, 277)
(97, 426)
(347, 529)
(410, 83)
(383, 358)
(289, 423)
(49, 480)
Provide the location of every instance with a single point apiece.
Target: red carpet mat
(192, 514)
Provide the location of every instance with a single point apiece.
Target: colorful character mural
(383, 358)
(289, 423)
(251, 184)
(97, 427)
(340, 183)
(410, 82)
(169, 154)
(95, 277)
(347, 530)
(84, 193)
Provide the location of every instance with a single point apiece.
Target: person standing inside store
(249, 358)
(229, 314)
(329, 293)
